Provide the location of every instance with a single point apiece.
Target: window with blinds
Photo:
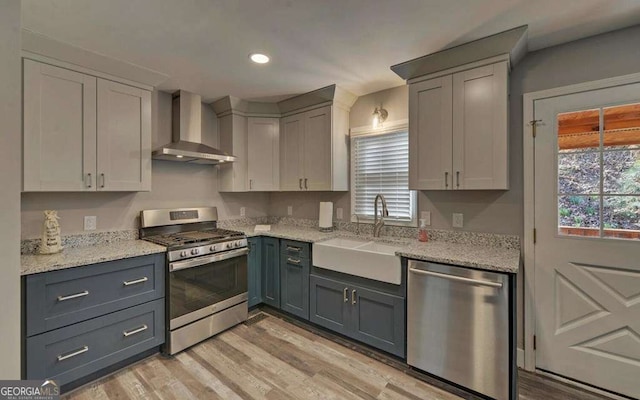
(380, 165)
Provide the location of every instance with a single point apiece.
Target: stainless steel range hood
(187, 135)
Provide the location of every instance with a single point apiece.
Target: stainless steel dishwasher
(458, 326)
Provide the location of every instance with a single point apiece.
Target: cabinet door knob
(457, 178)
(305, 183)
(345, 295)
(102, 177)
(446, 180)
(89, 180)
(353, 297)
(250, 184)
(300, 183)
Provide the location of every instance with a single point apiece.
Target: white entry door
(587, 220)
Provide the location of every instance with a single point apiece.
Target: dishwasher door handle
(456, 278)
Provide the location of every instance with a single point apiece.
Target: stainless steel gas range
(206, 273)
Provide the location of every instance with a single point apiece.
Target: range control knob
(239, 243)
(183, 253)
(229, 245)
(195, 252)
(213, 248)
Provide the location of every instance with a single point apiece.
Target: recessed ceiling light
(259, 58)
(179, 156)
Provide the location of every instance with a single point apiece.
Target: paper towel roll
(326, 215)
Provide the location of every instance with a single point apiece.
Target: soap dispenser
(422, 231)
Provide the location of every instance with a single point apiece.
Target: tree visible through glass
(599, 172)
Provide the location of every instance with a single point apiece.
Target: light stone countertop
(86, 255)
(490, 258)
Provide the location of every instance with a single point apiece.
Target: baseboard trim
(520, 358)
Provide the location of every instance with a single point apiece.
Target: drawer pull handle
(293, 248)
(353, 297)
(75, 353)
(345, 296)
(136, 281)
(73, 296)
(133, 332)
(293, 260)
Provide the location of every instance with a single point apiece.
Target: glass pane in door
(622, 126)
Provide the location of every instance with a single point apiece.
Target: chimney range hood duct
(187, 135)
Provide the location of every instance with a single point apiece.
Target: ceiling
(203, 45)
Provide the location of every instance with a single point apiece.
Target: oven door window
(198, 287)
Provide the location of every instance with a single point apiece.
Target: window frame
(387, 128)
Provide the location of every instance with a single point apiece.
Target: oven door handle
(196, 262)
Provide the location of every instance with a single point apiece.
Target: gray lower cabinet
(80, 321)
(365, 314)
(294, 278)
(72, 352)
(254, 267)
(60, 298)
(329, 304)
(271, 271)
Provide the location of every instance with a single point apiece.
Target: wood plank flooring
(273, 359)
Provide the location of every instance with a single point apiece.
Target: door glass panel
(579, 215)
(579, 131)
(622, 126)
(622, 172)
(579, 173)
(599, 180)
(621, 217)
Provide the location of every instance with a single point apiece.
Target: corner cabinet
(255, 141)
(458, 133)
(270, 277)
(254, 267)
(83, 133)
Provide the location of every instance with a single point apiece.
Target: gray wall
(10, 176)
(174, 184)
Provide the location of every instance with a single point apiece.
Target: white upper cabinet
(83, 133)
(255, 143)
(430, 133)
(59, 129)
(313, 150)
(458, 136)
(124, 137)
(291, 149)
(263, 148)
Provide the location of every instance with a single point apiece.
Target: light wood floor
(275, 360)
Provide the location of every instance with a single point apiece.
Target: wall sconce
(379, 116)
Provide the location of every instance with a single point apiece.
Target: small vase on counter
(51, 241)
(423, 236)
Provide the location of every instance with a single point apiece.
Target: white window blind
(381, 165)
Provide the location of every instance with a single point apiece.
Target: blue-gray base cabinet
(271, 271)
(369, 311)
(254, 276)
(294, 277)
(83, 320)
(72, 352)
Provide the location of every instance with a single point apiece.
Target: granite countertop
(85, 255)
(491, 258)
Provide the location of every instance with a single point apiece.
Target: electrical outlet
(243, 211)
(457, 220)
(426, 215)
(339, 214)
(289, 210)
(90, 222)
